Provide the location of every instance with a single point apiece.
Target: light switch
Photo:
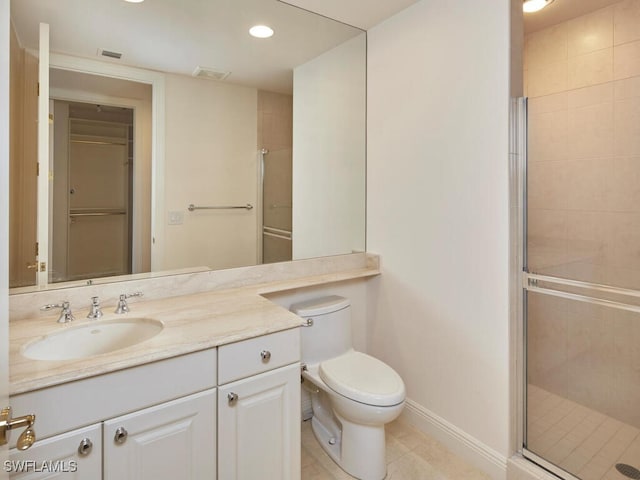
(176, 218)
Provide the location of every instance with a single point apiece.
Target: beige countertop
(191, 323)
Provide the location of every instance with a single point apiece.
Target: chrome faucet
(123, 307)
(95, 311)
(66, 315)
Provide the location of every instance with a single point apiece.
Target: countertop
(191, 323)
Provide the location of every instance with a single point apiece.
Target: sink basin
(92, 339)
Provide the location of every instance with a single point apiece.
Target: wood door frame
(157, 82)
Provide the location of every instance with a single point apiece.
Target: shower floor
(578, 439)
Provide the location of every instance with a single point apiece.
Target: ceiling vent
(110, 54)
(210, 73)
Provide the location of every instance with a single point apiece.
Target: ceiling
(360, 13)
(561, 11)
(179, 35)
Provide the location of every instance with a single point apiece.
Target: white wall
(329, 152)
(211, 159)
(437, 213)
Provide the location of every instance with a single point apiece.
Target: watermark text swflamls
(47, 466)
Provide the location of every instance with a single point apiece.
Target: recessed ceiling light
(134, 1)
(260, 31)
(529, 6)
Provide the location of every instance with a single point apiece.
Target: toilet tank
(330, 332)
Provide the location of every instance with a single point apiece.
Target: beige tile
(623, 243)
(586, 184)
(590, 69)
(411, 455)
(626, 60)
(627, 88)
(548, 103)
(623, 277)
(590, 32)
(546, 46)
(547, 139)
(590, 131)
(626, 21)
(546, 238)
(586, 271)
(622, 192)
(547, 341)
(546, 183)
(588, 96)
(547, 79)
(586, 238)
(627, 127)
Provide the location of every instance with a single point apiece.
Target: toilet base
(358, 449)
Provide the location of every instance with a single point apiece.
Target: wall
(583, 80)
(4, 212)
(211, 159)
(329, 152)
(438, 214)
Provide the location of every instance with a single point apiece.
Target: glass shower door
(582, 282)
(276, 205)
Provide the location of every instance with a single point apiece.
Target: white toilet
(355, 394)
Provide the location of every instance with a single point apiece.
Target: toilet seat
(363, 378)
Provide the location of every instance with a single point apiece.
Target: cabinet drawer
(245, 358)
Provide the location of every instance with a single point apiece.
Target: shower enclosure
(276, 205)
(580, 188)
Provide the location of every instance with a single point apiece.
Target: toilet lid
(364, 379)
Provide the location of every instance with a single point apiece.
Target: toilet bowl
(353, 395)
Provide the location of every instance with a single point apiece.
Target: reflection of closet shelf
(97, 140)
(276, 232)
(102, 212)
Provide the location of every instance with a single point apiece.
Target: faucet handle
(123, 307)
(66, 315)
(95, 311)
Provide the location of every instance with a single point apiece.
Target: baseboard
(458, 441)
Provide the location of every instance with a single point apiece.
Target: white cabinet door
(75, 455)
(259, 426)
(174, 440)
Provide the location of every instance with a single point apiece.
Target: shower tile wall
(275, 120)
(275, 133)
(582, 78)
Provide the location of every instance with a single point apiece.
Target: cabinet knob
(232, 397)
(121, 435)
(86, 445)
(265, 355)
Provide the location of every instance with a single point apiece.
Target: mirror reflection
(176, 141)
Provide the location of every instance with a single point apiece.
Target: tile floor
(411, 455)
(578, 439)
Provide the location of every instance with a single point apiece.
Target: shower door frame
(524, 282)
(518, 178)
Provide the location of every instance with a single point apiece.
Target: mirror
(200, 113)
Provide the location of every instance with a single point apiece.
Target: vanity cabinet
(259, 426)
(259, 408)
(174, 440)
(75, 455)
(169, 419)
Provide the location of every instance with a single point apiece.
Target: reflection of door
(276, 205)
(4, 202)
(99, 188)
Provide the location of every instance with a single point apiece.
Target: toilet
(353, 395)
